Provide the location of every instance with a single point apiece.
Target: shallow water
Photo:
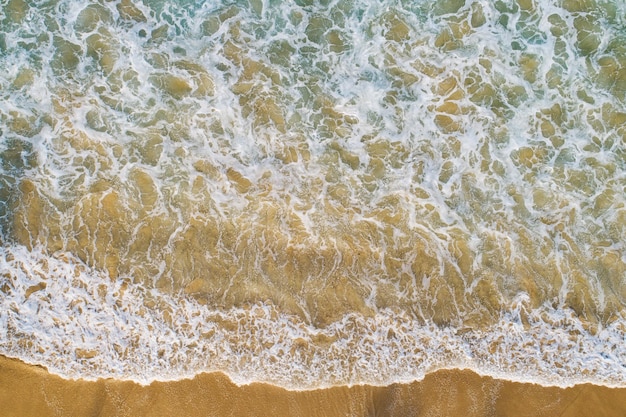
(314, 193)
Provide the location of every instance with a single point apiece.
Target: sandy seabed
(27, 390)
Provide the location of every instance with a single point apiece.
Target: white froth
(83, 325)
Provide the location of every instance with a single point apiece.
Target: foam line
(80, 324)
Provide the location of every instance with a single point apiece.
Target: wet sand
(27, 390)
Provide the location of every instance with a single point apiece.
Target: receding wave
(80, 324)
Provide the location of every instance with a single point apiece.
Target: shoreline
(30, 390)
(503, 377)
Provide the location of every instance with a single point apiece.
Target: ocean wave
(59, 313)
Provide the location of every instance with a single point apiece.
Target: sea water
(314, 193)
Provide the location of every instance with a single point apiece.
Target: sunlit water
(314, 193)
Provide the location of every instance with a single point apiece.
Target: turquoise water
(314, 193)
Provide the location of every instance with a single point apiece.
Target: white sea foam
(83, 325)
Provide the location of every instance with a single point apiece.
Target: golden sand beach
(27, 390)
